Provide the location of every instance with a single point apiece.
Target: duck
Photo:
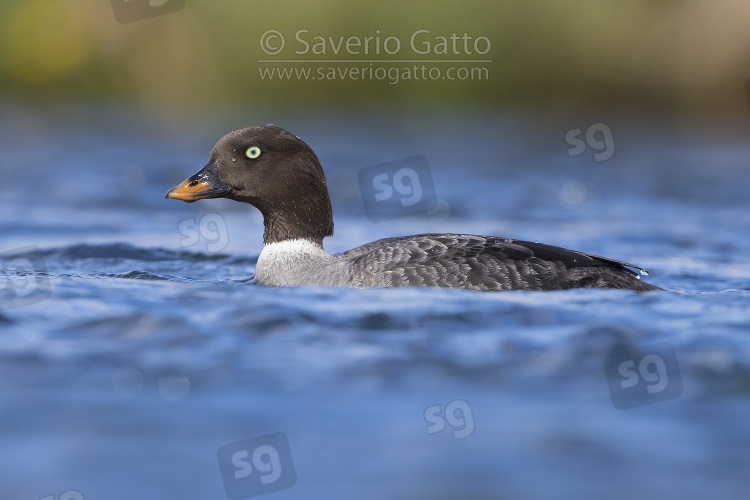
(280, 175)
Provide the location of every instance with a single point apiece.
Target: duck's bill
(204, 184)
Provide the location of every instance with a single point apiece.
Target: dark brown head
(273, 170)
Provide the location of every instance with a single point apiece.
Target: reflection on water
(147, 350)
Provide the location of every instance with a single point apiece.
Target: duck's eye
(252, 152)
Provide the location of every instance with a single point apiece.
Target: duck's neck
(305, 216)
(285, 226)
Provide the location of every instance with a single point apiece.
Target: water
(145, 347)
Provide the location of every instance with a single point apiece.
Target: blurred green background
(658, 54)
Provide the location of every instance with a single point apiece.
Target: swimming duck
(280, 175)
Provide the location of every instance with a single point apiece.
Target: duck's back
(485, 263)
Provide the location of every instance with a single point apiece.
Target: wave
(130, 252)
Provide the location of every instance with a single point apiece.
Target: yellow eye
(252, 152)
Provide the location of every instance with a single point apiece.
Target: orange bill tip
(189, 191)
(204, 184)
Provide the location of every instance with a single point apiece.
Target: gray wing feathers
(486, 263)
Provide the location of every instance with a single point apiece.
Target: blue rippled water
(134, 344)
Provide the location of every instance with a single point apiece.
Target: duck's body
(279, 174)
(464, 261)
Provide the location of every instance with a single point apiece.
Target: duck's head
(273, 170)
